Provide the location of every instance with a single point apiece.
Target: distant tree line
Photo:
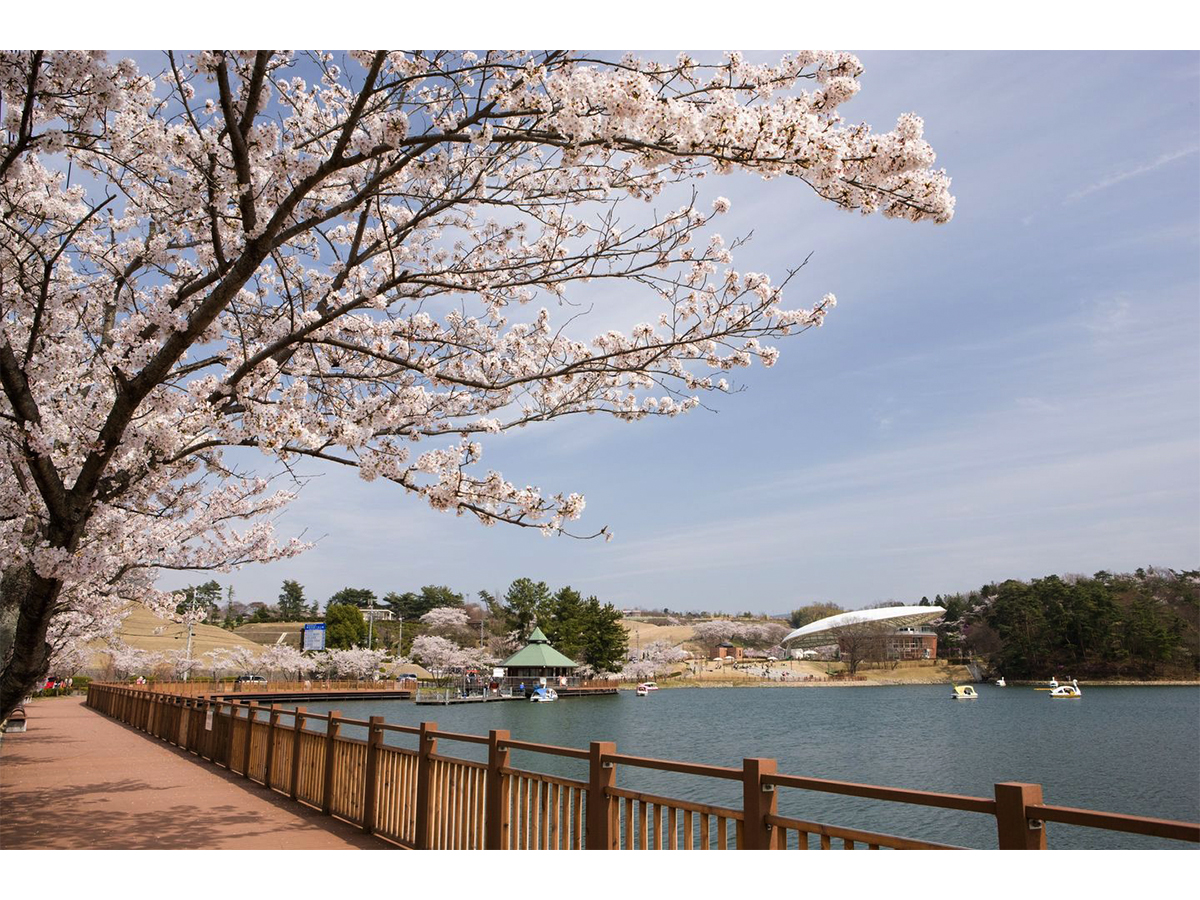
(581, 628)
(1141, 625)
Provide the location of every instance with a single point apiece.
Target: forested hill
(1140, 625)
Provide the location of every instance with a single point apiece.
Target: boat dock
(268, 697)
(450, 696)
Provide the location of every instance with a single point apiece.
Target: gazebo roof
(538, 654)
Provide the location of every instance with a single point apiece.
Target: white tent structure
(818, 633)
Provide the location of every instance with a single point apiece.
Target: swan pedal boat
(544, 695)
(966, 692)
(1067, 691)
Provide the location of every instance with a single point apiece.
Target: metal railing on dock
(423, 799)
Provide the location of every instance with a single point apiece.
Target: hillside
(289, 633)
(645, 633)
(145, 631)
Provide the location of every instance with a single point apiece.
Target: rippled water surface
(1121, 749)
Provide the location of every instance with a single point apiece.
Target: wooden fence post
(205, 745)
(233, 710)
(602, 775)
(1015, 829)
(298, 726)
(374, 740)
(189, 729)
(251, 712)
(496, 826)
(196, 732)
(272, 721)
(331, 733)
(428, 746)
(758, 801)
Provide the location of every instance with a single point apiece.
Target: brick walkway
(79, 780)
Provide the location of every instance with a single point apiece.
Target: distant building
(906, 631)
(538, 660)
(726, 650)
(912, 643)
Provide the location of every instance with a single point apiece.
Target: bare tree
(862, 640)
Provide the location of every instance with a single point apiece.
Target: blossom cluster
(756, 634)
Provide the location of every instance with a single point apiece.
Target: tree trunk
(30, 658)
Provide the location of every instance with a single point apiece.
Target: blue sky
(1014, 394)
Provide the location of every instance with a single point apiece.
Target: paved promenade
(79, 780)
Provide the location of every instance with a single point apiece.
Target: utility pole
(187, 656)
(190, 614)
(371, 624)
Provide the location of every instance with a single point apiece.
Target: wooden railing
(231, 686)
(425, 799)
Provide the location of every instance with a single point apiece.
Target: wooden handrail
(550, 749)
(465, 738)
(893, 795)
(670, 765)
(1087, 818)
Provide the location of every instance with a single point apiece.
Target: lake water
(1132, 750)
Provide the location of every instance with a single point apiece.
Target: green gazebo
(537, 660)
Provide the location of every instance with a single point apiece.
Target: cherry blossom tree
(446, 618)
(357, 663)
(436, 653)
(242, 660)
(126, 660)
(286, 659)
(439, 654)
(334, 258)
(180, 664)
(757, 634)
(654, 659)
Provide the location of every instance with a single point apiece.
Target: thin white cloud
(1109, 181)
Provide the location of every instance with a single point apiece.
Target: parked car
(250, 679)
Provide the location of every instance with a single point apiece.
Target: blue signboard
(314, 636)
